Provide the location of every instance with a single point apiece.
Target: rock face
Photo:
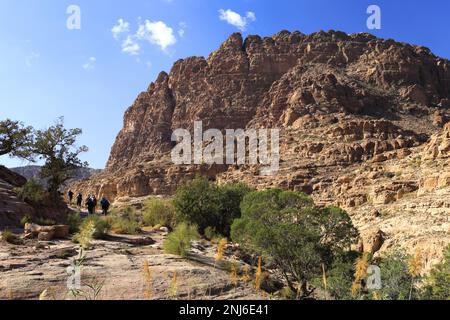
(359, 117)
(13, 209)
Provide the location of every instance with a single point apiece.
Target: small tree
(56, 146)
(438, 282)
(287, 228)
(15, 139)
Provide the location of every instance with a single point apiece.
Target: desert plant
(437, 283)
(123, 225)
(159, 212)
(211, 234)
(220, 249)
(74, 222)
(93, 227)
(8, 236)
(205, 204)
(298, 238)
(86, 234)
(26, 219)
(31, 192)
(198, 202)
(179, 241)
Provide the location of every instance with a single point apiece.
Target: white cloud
(130, 46)
(156, 33)
(235, 19)
(121, 27)
(182, 28)
(90, 64)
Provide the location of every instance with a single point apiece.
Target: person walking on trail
(90, 205)
(94, 199)
(105, 205)
(79, 200)
(70, 195)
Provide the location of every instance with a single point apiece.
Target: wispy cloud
(121, 27)
(90, 64)
(182, 28)
(157, 33)
(235, 19)
(130, 46)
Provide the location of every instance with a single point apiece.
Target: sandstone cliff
(361, 118)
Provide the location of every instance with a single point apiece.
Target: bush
(211, 234)
(31, 192)
(101, 226)
(205, 204)
(26, 219)
(9, 237)
(179, 241)
(159, 212)
(437, 284)
(123, 225)
(74, 222)
(285, 227)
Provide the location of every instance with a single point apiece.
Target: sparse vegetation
(159, 212)
(93, 227)
(437, 284)
(8, 237)
(288, 230)
(179, 241)
(74, 222)
(31, 192)
(205, 204)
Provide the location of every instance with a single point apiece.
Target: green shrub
(101, 226)
(395, 277)
(26, 219)
(211, 234)
(159, 212)
(74, 222)
(198, 202)
(85, 234)
(285, 227)
(205, 204)
(124, 225)
(437, 284)
(8, 236)
(179, 241)
(31, 192)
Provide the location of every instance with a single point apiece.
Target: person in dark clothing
(90, 205)
(105, 205)
(94, 199)
(70, 194)
(79, 200)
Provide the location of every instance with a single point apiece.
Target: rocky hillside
(32, 172)
(13, 209)
(362, 126)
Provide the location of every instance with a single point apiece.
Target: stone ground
(117, 267)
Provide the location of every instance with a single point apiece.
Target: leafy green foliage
(207, 205)
(159, 212)
(56, 147)
(74, 222)
(179, 241)
(438, 282)
(101, 226)
(32, 192)
(285, 227)
(15, 138)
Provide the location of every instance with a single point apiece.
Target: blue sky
(90, 76)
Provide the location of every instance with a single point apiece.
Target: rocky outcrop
(355, 114)
(13, 209)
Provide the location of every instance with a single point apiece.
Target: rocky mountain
(362, 123)
(32, 172)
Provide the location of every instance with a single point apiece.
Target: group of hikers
(91, 202)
